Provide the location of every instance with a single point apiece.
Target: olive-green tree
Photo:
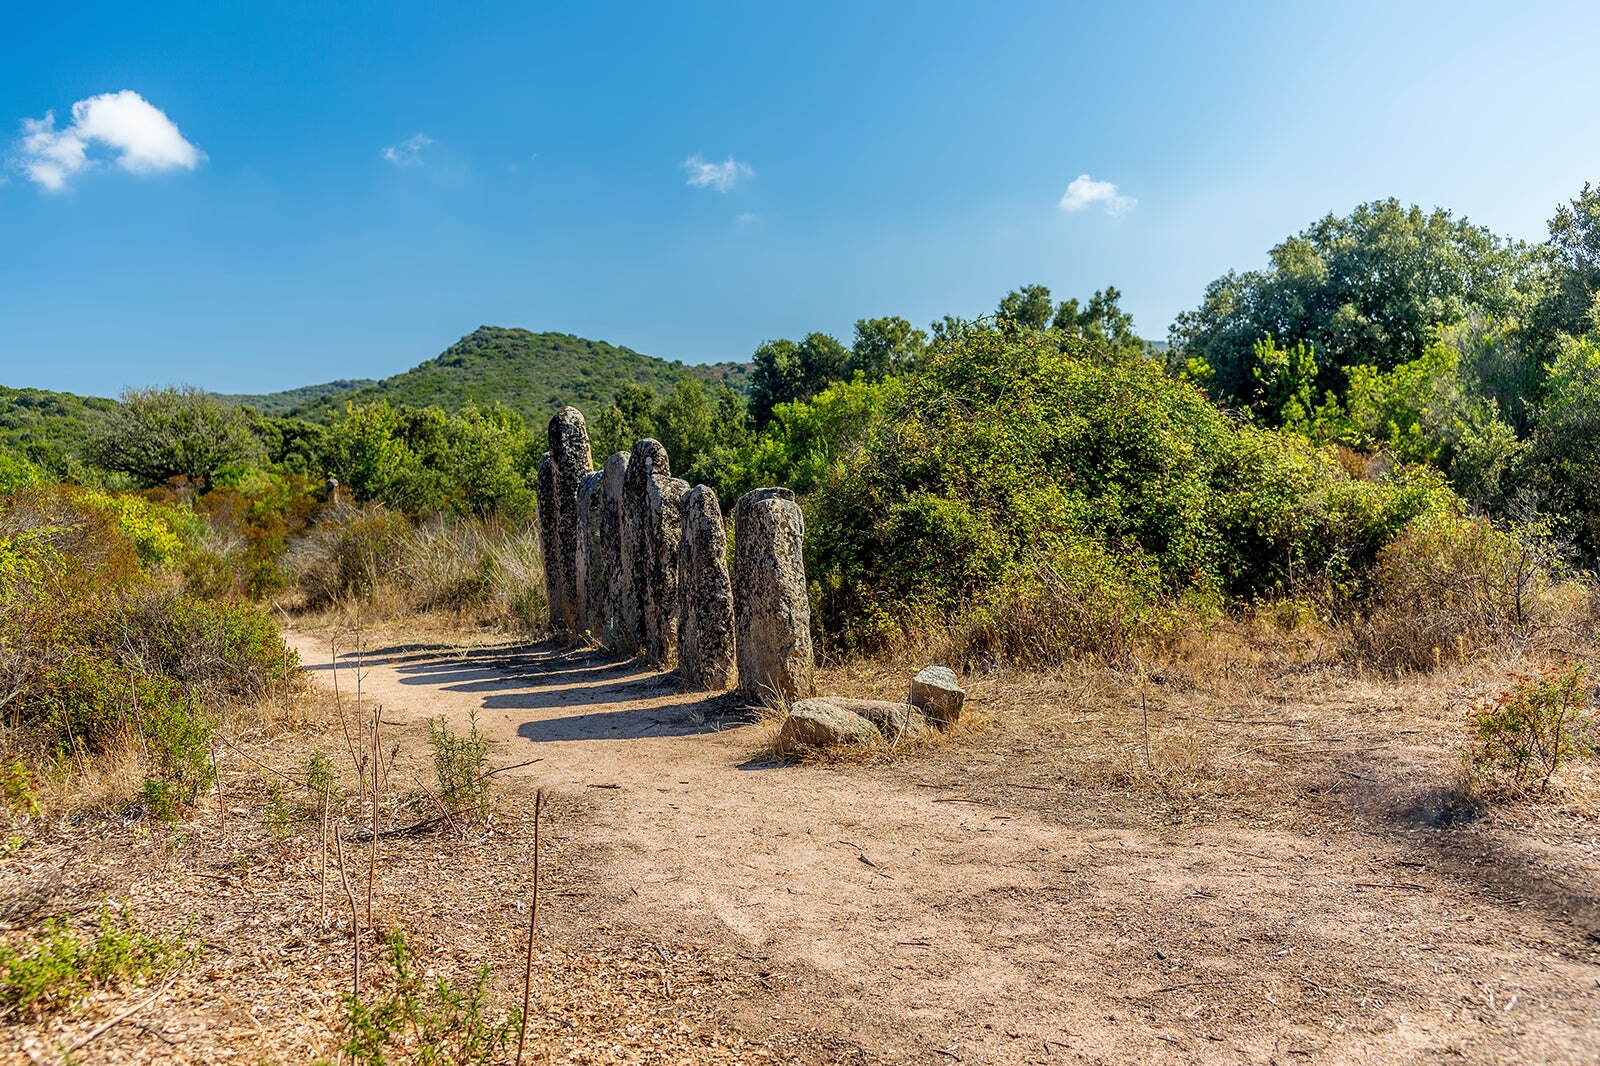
(158, 434)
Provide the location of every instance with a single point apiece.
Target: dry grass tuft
(473, 570)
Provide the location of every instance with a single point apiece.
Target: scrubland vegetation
(1382, 446)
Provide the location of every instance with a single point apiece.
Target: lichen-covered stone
(772, 617)
(591, 569)
(549, 542)
(706, 656)
(661, 594)
(894, 720)
(817, 724)
(570, 459)
(609, 625)
(640, 549)
(937, 694)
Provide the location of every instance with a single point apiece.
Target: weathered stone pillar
(549, 545)
(640, 552)
(772, 617)
(608, 631)
(570, 459)
(661, 590)
(705, 595)
(591, 570)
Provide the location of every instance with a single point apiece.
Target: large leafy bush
(1016, 464)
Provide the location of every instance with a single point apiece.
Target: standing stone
(705, 595)
(772, 618)
(548, 541)
(640, 552)
(570, 459)
(665, 515)
(591, 570)
(611, 567)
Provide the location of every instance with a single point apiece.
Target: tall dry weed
(477, 568)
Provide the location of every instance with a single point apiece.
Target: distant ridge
(278, 403)
(530, 373)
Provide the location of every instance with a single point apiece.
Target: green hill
(50, 428)
(531, 373)
(278, 403)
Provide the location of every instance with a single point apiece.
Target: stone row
(636, 561)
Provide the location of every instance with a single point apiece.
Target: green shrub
(177, 738)
(1449, 586)
(56, 967)
(19, 791)
(1521, 737)
(1011, 448)
(348, 554)
(407, 1018)
(95, 644)
(461, 765)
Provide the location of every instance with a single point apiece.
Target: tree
(1102, 322)
(885, 347)
(785, 372)
(628, 418)
(1571, 258)
(683, 424)
(1370, 289)
(175, 432)
(1025, 309)
(1566, 461)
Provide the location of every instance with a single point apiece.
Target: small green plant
(18, 791)
(1522, 736)
(160, 800)
(177, 738)
(461, 762)
(319, 777)
(407, 1018)
(55, 967)
(279, 817)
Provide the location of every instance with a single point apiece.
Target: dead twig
(355, 915)
(106, 1026)
(533, 925)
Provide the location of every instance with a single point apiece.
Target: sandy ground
(990, 903)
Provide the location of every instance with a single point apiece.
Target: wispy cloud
(408, 153)
(141, 137)
(1085, 192)
(719, 176)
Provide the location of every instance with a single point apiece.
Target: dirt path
(932, 925)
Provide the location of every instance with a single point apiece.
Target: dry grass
(275, 953)
(1237, 715)
(465, 570)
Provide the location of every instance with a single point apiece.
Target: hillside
(278, 403)
(49, 428)
(531, 373)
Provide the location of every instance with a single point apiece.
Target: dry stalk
(372, 867)
(533, 923)
(355, 915)
(222, 802)
(322, 872)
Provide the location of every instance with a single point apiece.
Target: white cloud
(143, 138)
(1086, 192)
(746, 218)
(719, 176)
(409, 151)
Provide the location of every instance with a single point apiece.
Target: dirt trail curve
(939, 928)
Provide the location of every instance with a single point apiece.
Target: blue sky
(346, 192)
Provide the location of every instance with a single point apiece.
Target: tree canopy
(160, 434)
(1369, 289)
